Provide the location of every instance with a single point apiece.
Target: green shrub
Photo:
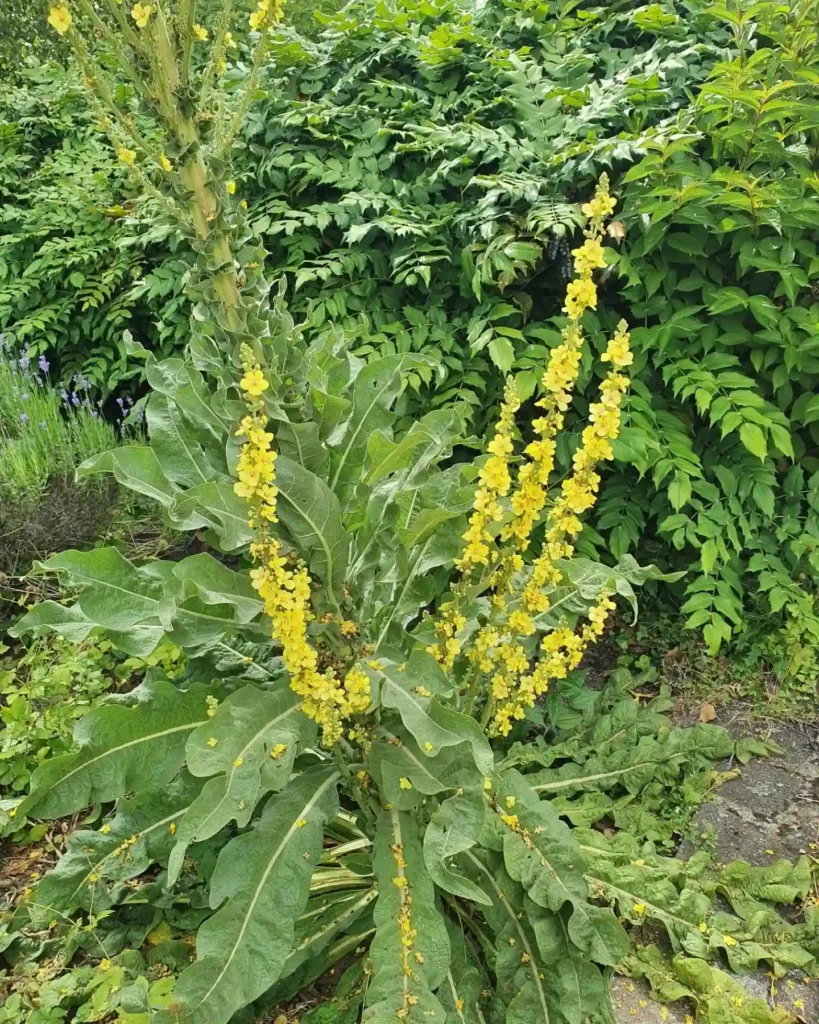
(419, 179)
(77, 264)
(721, 267)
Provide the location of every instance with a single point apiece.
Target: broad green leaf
(454, 828)
(136, 468)
(90, 872)
(375, 389)
(432, 724)
(121, 750)
(114, 593)
(410, 951)
(575, 986)
(177, 447)
(541, 853)
(312, 515)
(216, 506)
(249, 745)
(260, 886)
(214, 583)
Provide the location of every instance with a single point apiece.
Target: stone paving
(769, 811)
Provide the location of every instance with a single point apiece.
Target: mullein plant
(386, 610)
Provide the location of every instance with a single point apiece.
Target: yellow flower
(580, 296)
(141, 14)
(105, 829)
(230, 42)
(348, 628)
(165, 163)
(125, 155)
(404, 783)
(238, 762)
(639, 908)
(589, 256)
(212, 742)
(618, 351)
(172, 827)
(729, 940)
(200, 33)
(510, 802)
(254, 382)
(278, 750)
(59, 18)
(231, 187)
(301, 822)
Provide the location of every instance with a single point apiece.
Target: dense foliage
(412, 174)
(377, 749)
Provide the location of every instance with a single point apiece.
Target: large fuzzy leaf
(519, 972)
(312, 515)
(410, 951)
(89, 874)
(216, 506)
(114, 593)
(122, 749)
(236, 746)
(541, 853)
(575, 986)
(260, 887)
(455, 828)
(433, 724)
(135, 467)
(375, 389)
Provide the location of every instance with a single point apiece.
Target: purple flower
(94, 413)
(24, 396)
(75, 398)
(119, 402)
(43, 363)
(23, 417)
(64, 395)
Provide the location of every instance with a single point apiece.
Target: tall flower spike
(285, 591)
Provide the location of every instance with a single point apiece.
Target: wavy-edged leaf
(374, 390)
(237, 747)
(413, 692)
(135, 467)
(260, 885)
(89, 874)
(216, 506)
(122, 749)
(453, 829)
(541, 853)
(214, 583)
(114, 593)
(575, 986)
(410, 951)
(312, 515)
(176, 445)
(519, 973)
